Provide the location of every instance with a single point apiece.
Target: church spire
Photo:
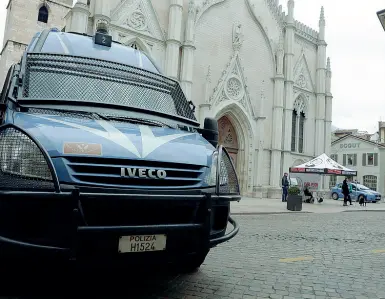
(322, 15)
(322, 25)
(290, 14)
(328, 77)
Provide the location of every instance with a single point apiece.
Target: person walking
(346, 192)
(285, 187)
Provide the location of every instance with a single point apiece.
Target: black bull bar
(80, 228)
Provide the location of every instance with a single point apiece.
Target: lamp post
(381, 17)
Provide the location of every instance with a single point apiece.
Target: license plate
(142, 243)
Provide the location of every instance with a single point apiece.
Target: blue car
(102, 161)
(357, 191)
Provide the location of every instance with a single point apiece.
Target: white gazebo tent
(310, 173)
(323, 165)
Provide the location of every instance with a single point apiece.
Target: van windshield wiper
(112, 117)
(137, 121)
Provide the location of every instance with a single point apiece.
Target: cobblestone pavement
(283, 257)
(294, 256)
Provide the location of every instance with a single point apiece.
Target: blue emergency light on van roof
(55, 30)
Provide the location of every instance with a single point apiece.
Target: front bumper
(85, 224)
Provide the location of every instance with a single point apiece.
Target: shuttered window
(370, 159)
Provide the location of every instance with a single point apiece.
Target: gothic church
(255, 68)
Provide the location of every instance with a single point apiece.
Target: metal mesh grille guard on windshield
(63, 77)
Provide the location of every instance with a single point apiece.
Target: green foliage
(294, 190)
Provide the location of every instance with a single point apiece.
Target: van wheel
(335, 196)
(191, 263)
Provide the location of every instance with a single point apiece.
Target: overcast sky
(356, 46)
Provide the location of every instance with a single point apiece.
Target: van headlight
(228, 180)
(225, 180)
(20, 157)
(211, 177)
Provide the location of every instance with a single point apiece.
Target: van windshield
(81, 79)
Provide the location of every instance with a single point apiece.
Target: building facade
(25, 18)
(363, 155)
(262, 74)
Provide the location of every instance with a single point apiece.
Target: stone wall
(22, 25)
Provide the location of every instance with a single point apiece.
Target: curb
(270, 213)
(363, 211)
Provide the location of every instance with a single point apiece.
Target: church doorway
(228, 138)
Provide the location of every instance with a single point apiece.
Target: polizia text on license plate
(142, 243)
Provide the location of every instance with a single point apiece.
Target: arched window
(298, 125)
(301, 131)
(370, 181)
(293, 130)
(43, 14)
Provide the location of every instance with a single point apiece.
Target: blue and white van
(103, 160)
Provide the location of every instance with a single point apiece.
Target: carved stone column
(328, 115)
(174, 38)
(102, 14)
(77, 17)
(321, 88)
(277, 134)
(204, 109)
(188, 49)
(289, 84)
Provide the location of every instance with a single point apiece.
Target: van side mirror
(210, 131)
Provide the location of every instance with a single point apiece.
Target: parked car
(357, 191)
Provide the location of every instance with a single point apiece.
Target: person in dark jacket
(285, 187)
(346, 192)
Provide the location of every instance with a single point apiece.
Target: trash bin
(294, 202)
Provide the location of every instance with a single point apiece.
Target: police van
(103, 160)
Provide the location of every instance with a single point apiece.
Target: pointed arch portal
(228, 137)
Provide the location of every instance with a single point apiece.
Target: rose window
(301, 81)
(234, 87)
(137, 20)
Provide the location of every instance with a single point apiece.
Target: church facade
(261, 73)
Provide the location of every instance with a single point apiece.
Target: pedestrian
(285, 187)
(346, 192)
(307, 193)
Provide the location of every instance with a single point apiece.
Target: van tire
(192, 263)
(335, 196)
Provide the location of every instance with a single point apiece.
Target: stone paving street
(295, 256)
(338, 255)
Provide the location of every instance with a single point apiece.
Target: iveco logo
(143, 173)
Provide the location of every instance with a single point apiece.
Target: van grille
(107, 172)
